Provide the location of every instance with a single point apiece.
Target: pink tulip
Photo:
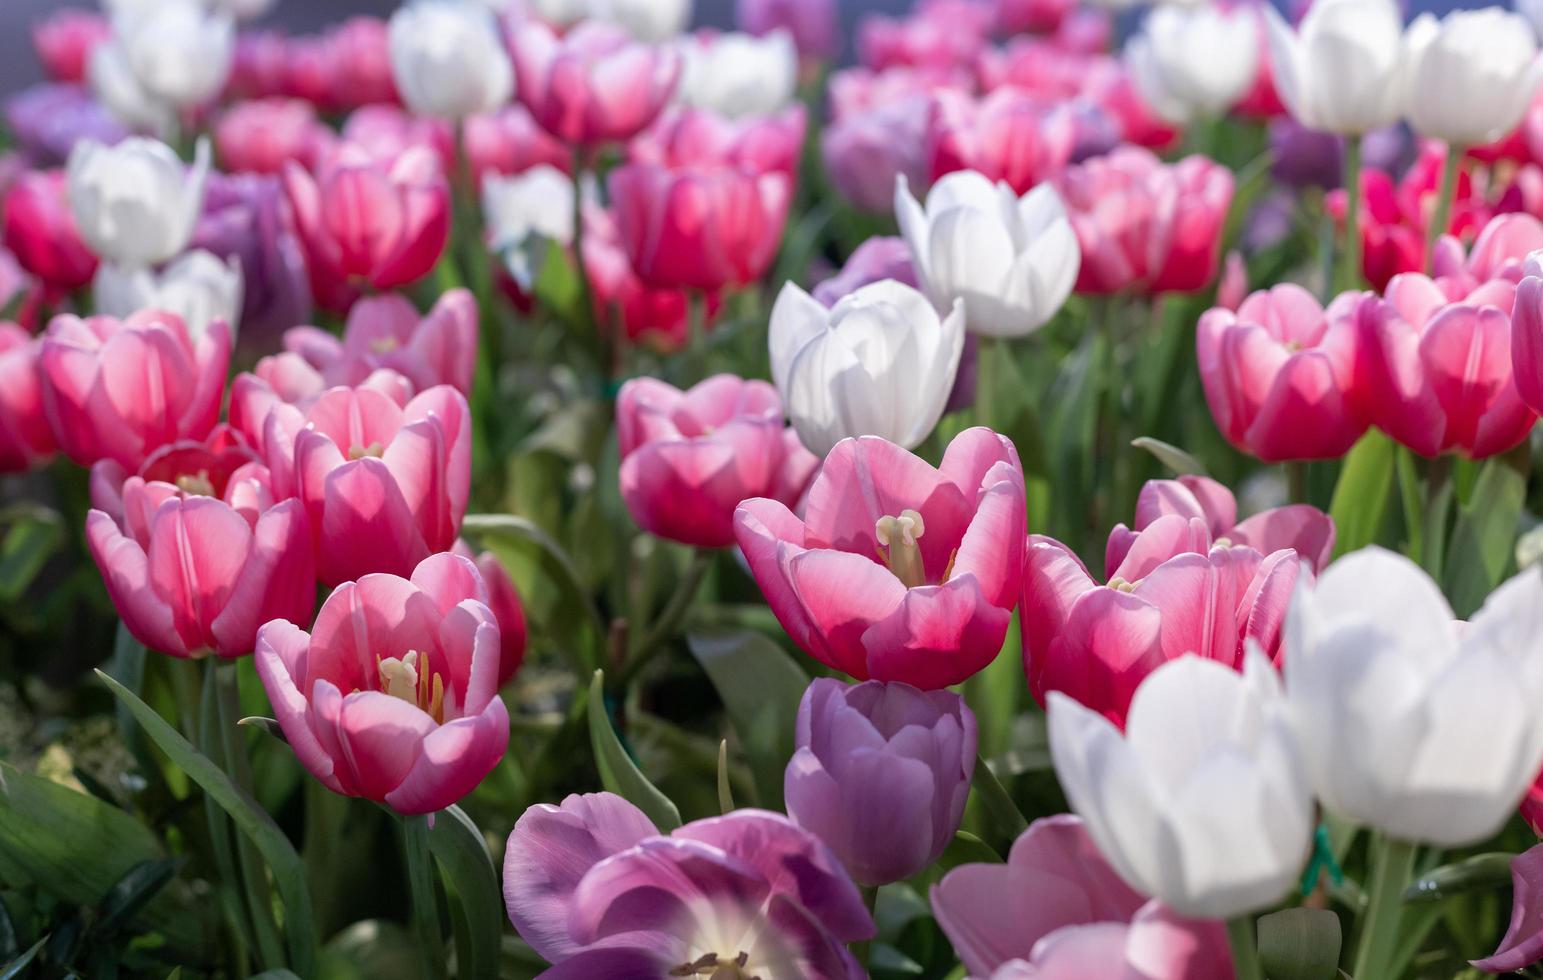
(25, 436)
(1008, 135)
(1036, 16)
(259, 69)
(699, 228)
(504, 600)
(120, 389)
(509, 142)
(940, 33)
(1113, 91)
(593, 85)
(854, 90)
(1146, 226)
(656, 316)
(1527, 336)
(385, 132)
(362, 223)
(393, 695)
(290, 378)
(387, 332)
(897, 571)
(194, 551)
(690, 457)
(65, 39)
(1232, 290)
(348, 67)
(40, 231)
(1279, 375)
(263, 135)
(385, 485)
(700, 138)
(814, 24)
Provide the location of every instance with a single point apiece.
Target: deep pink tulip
(1279, 375)
(814, 24)
(393, 695)
(700, 138)
(262, 135)
(509, 142)
(1057, 909)
(385, 485)
(1146, 226)
(40, 231)
(1009, 135)
(939, 33)
(120, 389)
(690, 457)
(25, 436)
(593, 85)
(1523, 942)
(364, 223)
(897, 571)
(259, 68)
(195, 553)
(504, 599)
(1527, 336)
(348, 67)
(386, 132)
(652, 315)
(699, 229)
(65, 39)
(387, 332)
(1036, 16)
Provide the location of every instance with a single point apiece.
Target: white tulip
(1012, 260)
(1203, 802)
(197, 286)
(523, 213)
(558, 13)
(135, 203)
(180, 52)
(880, 363)
(448, 59)
(1194, 62)
(1469, 77)
(739, 75)
(653, 21)
(115, 86)
(1409, 722)
(1339, 70)
(243, 10)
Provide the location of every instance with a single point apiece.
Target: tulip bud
(136, 203)
(738, 74)
(180, 53)
(197, 287)
(1470, 76)
(881, 774)
(1194, 62)
(1338, 71)
(447, 58)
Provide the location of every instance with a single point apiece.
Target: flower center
(383, 345)
(898, 536)
(717, 968)
(1121, 585)
(359, 452)
(197, 484)
(402, 677)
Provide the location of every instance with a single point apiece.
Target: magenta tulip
(261, 136)
(1009, 135)
(897, 571)
(594, 84)
(40, 231)
(65, 39)
(701, 138)
(393, 695)
(25, 436)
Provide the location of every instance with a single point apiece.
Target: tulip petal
(452, 760)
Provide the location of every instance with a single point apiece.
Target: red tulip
(1009, 135)
(65, 39)
(897, 571)
(594, 84)
(25, 436)
(690, 457)
(40, 231)
(509, 142)
(262, 136)
(701, 138)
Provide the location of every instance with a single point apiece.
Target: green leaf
(34, 534)
(253, 820)
(1300, 944)
(268, 726)
(1171, 456)
(457, 845)
(18, 966)
(131, 892)
(1360, 503)
(994, 797)
(1480, 873)
(761, 687)
(556, 288)
(725, 792)
(1482, 548)
(966, 848)
(618, 772)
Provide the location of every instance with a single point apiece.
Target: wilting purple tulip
(48, 120)
(1523, 942)
(244, 218)
(881, 774)
(594, 888)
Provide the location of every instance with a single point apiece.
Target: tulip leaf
(249, 817)
(268, 726)
(556, 283)
(457, 845)
(1480, 873)
(618, 772)
(1360, 503)
(1483, 540)
(1180, 462)
(966, 848)
(725, 791)
(999, 805)
(18, 967)
(34, 534)
(1300, 944)
(133, 891)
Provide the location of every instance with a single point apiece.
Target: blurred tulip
(593, 85)
(880, 774)
(260, 66)
(65, 39)
(936, 610)
(197, 287)
(393, 695)
(136, 203)
(447, 58)
(522, 214)
(864, 151)
(114, 85)
(1035, 16)
(875, 259)
(387, 332)
(1305, 157)
(1010, 136)
(1339, 70)
(814, 24)
(41, 232)
(244, 220)
(1469, 77)
(879, 363)
(504, 600)
(938, 33)
(348, 67)
(1181, 86)
(650, 21)
(738, 75)
(178, 50)
(25, 436)
(48, 120)
(263, 135)
(385, 132)
(1011, 260)
(1522, 945)
(1210, 762)
(244, 10)
(510, 142)
(655, 316)
(699, 138)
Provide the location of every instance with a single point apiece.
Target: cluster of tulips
(675, 465)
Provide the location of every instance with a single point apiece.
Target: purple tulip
(881, 774)
(244, 217)
(1523, 942)
(877, 258)
(594, 888)
(49, 120)
(1305, 157)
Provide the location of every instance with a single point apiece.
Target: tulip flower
(1058, 908)
(260, 65)
(696, 137)
(570, 870)
(244, 220)
(650, 21)
(814, 24)
(1180, 86)
(40, 231)
(447, 58)
(242, 10)
(1279, 374)
(510, 142)
(197, 287)
(1469, 77)
(1409, 723)
(114, 85)
(48, 120)
(699, 228)
(385, 132)
(1009, 135)
(347, 67)
(878, 258)
(25, 436)
(938, 33)
(261, 136)
(690, 457)
(504, 600)
(65, 39)
(1305, 157)
(880, 774)
(594, 85)
(1339, 70)
(880, 363)
(739, 75)
(179, 51)
(393, 694)
(364, 223)
(897, 571)
(195, 553)
(1144, 225)
(1523, 942)
(120, 389)
(866, 150)
(1011, 260)
(1210, 762)
(655, 316)
(1527, 336)
(135, 203)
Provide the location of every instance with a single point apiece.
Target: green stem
(1350, 269)
(1452, 166)
(586, 312)
(1392, 864)
(1242, 937)
(696, 335)
(863, 949)
(425, 900)
(1296, 481)
(670, 618)
(1438, 503)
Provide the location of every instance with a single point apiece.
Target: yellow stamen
(359, 452)
(383, 345)
(1121, 585)
(197, 484)
(898, 536)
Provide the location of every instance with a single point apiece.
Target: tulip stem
(1438, 503)
(1392, 864)
(1350, 269)
(1442, 216)
(586, 311)
(1296, 481)
(670, 618)
(1242, 936)
(425, 900)
(863, 948)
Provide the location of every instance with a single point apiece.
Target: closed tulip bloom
(136, 203)
(1409, 722)
(40, 231)
(814, 24)
(593, 85)
(180, 52)
(1279, 374)
(1469, 77)
(698, 137)
(1058, 909)
(510, 142)
(393, 694)
(690, 457)
(1011, 259)
(65, 39)
(880, 774)
(651, 315)
(47, 121)
(866, 150)
(114, 85)
(244, 219)
(263, 135)
(508, 609)
(197, 287)
(120, 389)
(651, 21)
(1033, 16)
(1010, 135)
(738, 75)
(879, 363)
(1338, 70)
(388, 332)
(1194, 62)
(25, 436)
(447, 58)
(290, 377)
(897, 571)
(364, 223)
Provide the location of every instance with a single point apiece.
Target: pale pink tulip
(1009, 135)
(510, 142)
(263, 135)
(387, 332)
(701, 138)
(593, 85)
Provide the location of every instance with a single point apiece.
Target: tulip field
(1003, 490)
